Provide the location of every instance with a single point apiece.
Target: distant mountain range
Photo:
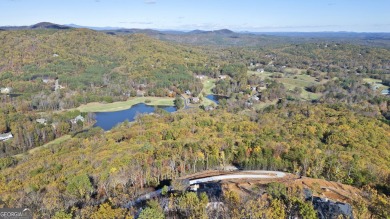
(224, 36)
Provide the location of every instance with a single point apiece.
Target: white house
(5, 90)
(78, 118)
(42, 121)
(201, 77)
(195, 100)
(6, 136)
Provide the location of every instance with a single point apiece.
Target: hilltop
(41, 25)
(92, 167)
(80, 58)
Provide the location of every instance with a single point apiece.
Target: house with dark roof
(329, 209)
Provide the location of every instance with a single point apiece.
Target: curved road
(256, 174)
(250, 174)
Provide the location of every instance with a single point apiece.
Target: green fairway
(207, 102)
(117, 106)
(208, 85)
(262, 105)
(263, 75)
(292, 81)
(372, 80)
(377, 82)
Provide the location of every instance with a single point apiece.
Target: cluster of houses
(193, 100)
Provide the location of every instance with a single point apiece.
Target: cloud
(150, 2)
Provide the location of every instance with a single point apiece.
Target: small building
(248, 104)
(47, 80)
(5, 90)
(329, 209)
(222, 77)
(255, 98)
(78, 118)
(171, 93)
(142, 86)
(188, 92)
(6, 136)
(194, 100)
(41, 121)
(140, 93)
(209, 108)
(201, 77)
(385, 92)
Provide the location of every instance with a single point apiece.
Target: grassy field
(117, 106)
(208, 85)
(49, 144)
(372, 80)
(300, 80)
(262, 105)
(376, 81)
(263, 75)
(207, 102)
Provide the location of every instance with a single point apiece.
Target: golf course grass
(118, 106)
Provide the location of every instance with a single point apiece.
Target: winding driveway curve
(250, 174)
(254, 174)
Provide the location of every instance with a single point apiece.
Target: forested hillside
(323, 141)
(314, 109)
(93, 66)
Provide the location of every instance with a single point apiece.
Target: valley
(145, 124)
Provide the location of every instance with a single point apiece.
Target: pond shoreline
(108, 120)
(97, 107)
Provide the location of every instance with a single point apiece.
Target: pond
(215, 98)
(107, 120)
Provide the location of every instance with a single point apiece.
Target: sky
(237, 15)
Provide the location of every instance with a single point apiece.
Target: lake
(215, 98)
(108, 120)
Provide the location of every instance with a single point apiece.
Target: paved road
(186, 101)
(250, 174)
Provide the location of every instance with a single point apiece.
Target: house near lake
(6, 136)
(78, 118)
(208, 108)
